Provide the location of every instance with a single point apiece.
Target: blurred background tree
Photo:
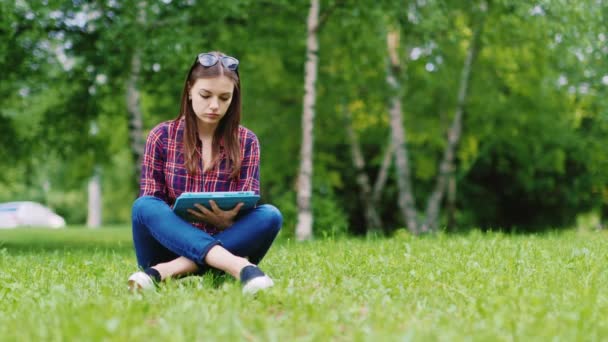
(532, 153)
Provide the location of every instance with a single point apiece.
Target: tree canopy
(532, 154)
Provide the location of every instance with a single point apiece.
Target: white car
(28, 214)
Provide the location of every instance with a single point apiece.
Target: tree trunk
(604, 216)
(389, 153)
(373, 222)
(305, 218)
(406, 201)
(136, 136)
(447, 164)
(94, 201)
(451, 202)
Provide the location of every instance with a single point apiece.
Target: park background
(84, 81)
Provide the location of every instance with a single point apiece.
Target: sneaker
(140, 281)
(254, 280)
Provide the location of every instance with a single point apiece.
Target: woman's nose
(214, 104)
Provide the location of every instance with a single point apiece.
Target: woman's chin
(208, 120)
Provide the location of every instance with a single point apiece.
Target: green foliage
(534, 165)
(330, 220)
(536, 119)
(511, 287)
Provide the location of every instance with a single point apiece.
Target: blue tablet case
(226, 200)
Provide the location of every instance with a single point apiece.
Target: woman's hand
(221, 219)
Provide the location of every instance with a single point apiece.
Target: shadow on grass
(210, 279)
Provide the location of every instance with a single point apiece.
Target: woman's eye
(205, 96)
(224, 99)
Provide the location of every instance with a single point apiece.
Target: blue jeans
(159, 235)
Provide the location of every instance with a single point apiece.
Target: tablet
(226, 200)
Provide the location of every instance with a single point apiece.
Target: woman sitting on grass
(204, 149)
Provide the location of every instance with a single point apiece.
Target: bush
(330, 220)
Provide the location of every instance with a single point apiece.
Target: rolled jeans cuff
(201, 262)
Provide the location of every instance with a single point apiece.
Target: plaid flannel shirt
(164, 174)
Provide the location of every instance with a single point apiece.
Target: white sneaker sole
(140, 281)
(257, 284)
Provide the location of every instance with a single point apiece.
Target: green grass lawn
(71, 285)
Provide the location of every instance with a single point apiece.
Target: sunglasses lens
(230, 62)
(207, 59)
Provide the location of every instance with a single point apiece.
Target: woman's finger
(214, 207)
(237, 208)
(202, 208)
(196, 213)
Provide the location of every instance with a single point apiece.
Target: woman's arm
(152, 181)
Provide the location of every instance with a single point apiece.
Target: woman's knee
(141, 205)
(273, 216)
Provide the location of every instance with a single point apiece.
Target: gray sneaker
(254, 280)
(140, 281)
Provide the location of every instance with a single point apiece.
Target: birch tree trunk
(447, 164)
(389, 154)
(136, 137)
(94, 201)
(407, 204)
(305, 218)
(451, 202)
(372, 220)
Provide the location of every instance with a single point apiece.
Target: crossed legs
(174, 247)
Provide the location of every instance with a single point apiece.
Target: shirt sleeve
(249, 178)
(152, 181)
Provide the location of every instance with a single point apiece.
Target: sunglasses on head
(208, 60)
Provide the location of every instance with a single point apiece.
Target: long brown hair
(228, 127)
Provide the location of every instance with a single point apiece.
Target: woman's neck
(205, 131)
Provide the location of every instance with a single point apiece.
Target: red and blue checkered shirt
(164, 174)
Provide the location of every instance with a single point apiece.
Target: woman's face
(211, 98)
